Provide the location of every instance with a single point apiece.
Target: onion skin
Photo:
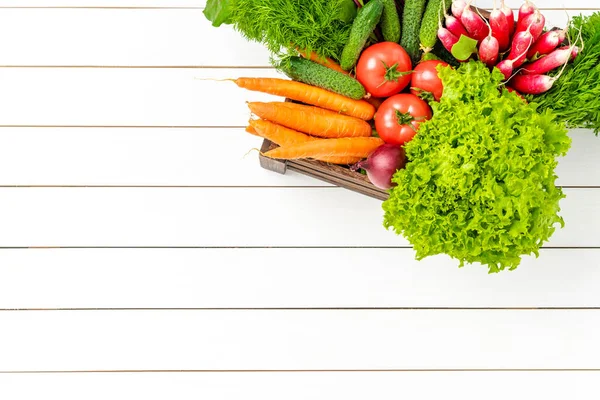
(382, 164)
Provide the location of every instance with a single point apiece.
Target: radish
(458, 7)
(454, 25)
(489, 48)
(447, 38)
(518, 53)
(506, 67)
(510, 17)
(546, 43)
(500, 28)
(473, 23)
(535, 22)
(551, 61)
(382, 164)
(520, 46)
(532, 84)
(526, 9)
(537, 84)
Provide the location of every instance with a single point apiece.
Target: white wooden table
(146, 255)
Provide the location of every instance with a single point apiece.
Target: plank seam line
(316, 186)
(578, 248)
(306, 370)
(104, 309)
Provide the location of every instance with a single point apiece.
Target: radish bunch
(520, 49)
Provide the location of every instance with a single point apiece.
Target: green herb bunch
(575, 95)
(480, 182)
(320, 26)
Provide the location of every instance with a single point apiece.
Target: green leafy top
(320, 26)
(480, 182)
(575, 96)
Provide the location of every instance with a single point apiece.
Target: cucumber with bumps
(390, 22)
(312, 73)
(411, 25)
(434, 12)
(364, 24)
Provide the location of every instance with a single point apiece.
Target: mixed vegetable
(459, 113)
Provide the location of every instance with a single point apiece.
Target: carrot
(310, 95)
(324, 61)
(341, 147)
(281, 135)
(278, 134)
(312, 120)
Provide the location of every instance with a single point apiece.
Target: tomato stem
(407, 119)
(392, 74)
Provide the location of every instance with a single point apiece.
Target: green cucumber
(390, 22)
(434, 12)
(364, 24)
(411, 25)
(312, 73)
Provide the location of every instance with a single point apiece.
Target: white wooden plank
(542, 4)
(289, 278)
(159, 37)
(162, 37)
(129, 97)
(302, 385)
(103, 3)
(299, 340)
(179, 157)
(140, 157)
(227, 217)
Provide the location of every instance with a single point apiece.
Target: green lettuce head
(480, 182)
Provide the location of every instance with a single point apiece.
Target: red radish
(535, 22)
(520, 46)
(382, 164)
(458, 7)
(532, 84)
(526, 9)
(454, 25)
(546, 43)
(551, 61)
(506, 67)
(500, 29)
(447, 38)
(537, 84)
(489, 49)
(510, 17)
(474, 24)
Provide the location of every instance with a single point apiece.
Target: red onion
(382, 164)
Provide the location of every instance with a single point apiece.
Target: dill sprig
(575, 96)
(320, 26)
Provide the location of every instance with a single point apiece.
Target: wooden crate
(334, 174)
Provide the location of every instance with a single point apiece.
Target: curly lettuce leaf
(480, 184)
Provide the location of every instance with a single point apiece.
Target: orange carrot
(310, 95)
(278, 134)
(281, 135)
(324, 61)
(342, 147)
(312, 120)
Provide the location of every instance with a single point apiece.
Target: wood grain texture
(287, 278)
(229, 217)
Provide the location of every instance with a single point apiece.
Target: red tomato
(384, 69)
(425, 78)
(399, 117)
